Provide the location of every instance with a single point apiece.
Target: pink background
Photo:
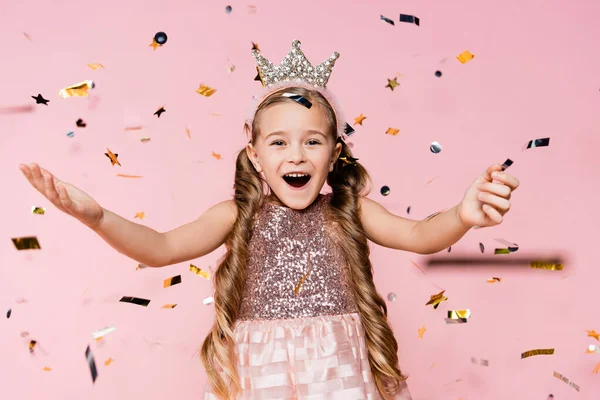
(535, 74)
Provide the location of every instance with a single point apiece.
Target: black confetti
(438, 73)
(538, 143)
(301, 100)
(172, 281)
(160, 38)
(389, 21)
(408, 210)
(80, 123)
(8, 313)
(409, 18)
(385, 190)
(39, 99)
(135, 300)
(160, 111)
(92, 364)
(228, 9)
(481, 247)
(507, 164)
(348, 130)
(449, 249)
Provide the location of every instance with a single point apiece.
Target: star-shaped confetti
(593, 334)
(422, 332)
(216, 155)
(39, 99)
(359, 120)
(113, 157)
(392, 83)
(107, 362)
(436, 299)
(255, 46)
(160, 111)
(139, 215)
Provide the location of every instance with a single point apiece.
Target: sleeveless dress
(299, 334)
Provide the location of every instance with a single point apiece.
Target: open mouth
(297, 180)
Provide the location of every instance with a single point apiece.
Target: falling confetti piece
(359, 120)
(129, 176)
(38, 210)
(228, 9)
(70, 134)
(409, 18)
(435, 147)
(95, 67)
(436, 299)
(385, 190)
(255, 46)
(230, 68)
(39, 99)
(140, 215)
(172, 281)
(199, 271)
(386, 19)
(32, 344)
(546, 265)
(594, 334)
(566, 380)
(592, 348)
(160, 111)
(392, 83)
(392, 131)
(108, 362)
(458, 316)
(133, 128)
(507, 164)
(144, 139)
(26, 243)
(135, 300)
(494, 280)
(216, 155)
(418, 266)
(421, 332)
(465, 56)
(596, 369)
(47, 369)
(208, 300)
(113, 157)
(545, 142)
(511, 247)
(391, 296)
(348, 130)
(438, 74)
(537, 352)
(8, 313)
(187, 131)
(205, 90)
(91, 363)
(160, 38)
(80, 89)
(298, 99)
(80, 123)
(103, 332)
(141, 266)
(27, 36)
(169, 306)
(483, 362)
(481, 247)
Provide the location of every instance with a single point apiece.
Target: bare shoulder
(385, 228)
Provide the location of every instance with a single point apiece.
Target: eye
(276, 142)
(314, 141)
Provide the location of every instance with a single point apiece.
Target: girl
(297, 313)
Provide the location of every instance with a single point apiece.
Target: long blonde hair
(348, 183)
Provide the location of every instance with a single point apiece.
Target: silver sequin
(284, 242)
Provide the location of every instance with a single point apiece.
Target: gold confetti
(216, 155)
(566, 380)
(392, 131)
(140, 215)
(594, 334)
(172, 281)
(77, 90)
(187, 130)
(32, 344)
(421, 332)
(494, 280)
(596, 369)
(501, 251)
(107, 362)
(129, 176)
(417, 265)
(459, 314)
(205, 90)
(465, 56)
(112, 157)
(537, 352)
(359, 120)
(592, 348)
(47, 369)
(133, 128)
(38, 210)
(547, 265)
(255, 46)
(26, 243)
(144, 139)
(95, 67)
(392, 83)
(155, 44)
(436, 299)
(199, 271)
(169, 306)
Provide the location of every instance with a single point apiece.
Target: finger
(509, 180)
(38, 179)
(51, 192)
(492, 168)
(64, 198)
(494, 201)
(27, 172)
(499, 189)
(492, 213)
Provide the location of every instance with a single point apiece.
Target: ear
(253, 156)
(336, 154)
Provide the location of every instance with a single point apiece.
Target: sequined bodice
(295, 268)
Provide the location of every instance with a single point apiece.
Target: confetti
(80, 89)
(199, 271)
(481, 247)
(421, 332)
(465, 56)
(298, 99)
(169, 306)
(141, 266)
(144, 139)
(545, 142)
(160, 111)
(436, 299)
(129, 176)
(8, 313)
(458, 316)
(230, 68)
(386, 19)
(108, 362)
(133, 128)
(135, 300)
(537, 352)
(594, 334)
(391, 296)
(417, 265)
(435, 147)
(70, 134)
(32, 344)
(160, 38)
(348, 130)
(592, 348)
(546, 265)
(494, 280)
(392, 131)
(38, 210)
(91, 363)
(103, 332)
(140, 215)
(47, 369)
(228, 9)
(507, 164)
(566, 380)
(385, 190)
(208, 300)
(409, 18)
(27, 36)
(596, 369)
(39, 99)
(26, 243)
(438, 74)
(172, 281)
(95, 67)
(216, 155)
(392, 83)
(255, 46)
(511, 247)
(80, 123)
(359, 120)
(113, 157)
(347, 160)
(187, 131)
(205, 90)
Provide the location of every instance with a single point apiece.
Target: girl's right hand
(64, 196)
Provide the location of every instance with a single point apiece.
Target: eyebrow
(310, 131)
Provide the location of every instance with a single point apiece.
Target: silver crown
(294, 66)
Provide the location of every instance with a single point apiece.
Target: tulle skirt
(306, 358)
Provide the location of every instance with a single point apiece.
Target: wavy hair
(348, 182)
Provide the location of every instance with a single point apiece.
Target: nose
(296, 154)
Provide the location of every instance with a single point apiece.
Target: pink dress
(295, 338)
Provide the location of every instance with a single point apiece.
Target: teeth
(296, 175)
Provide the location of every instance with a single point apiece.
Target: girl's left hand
(487, 199)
